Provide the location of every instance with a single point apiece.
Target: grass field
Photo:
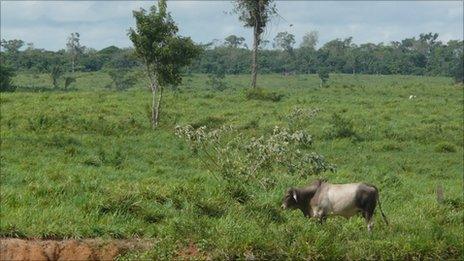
(85, 163)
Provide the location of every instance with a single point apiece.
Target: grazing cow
(321, 199)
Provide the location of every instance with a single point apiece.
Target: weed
(341, 127)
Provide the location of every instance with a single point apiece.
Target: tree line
(423, 55)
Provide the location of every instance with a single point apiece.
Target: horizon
(104, 24)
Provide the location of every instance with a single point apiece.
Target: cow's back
(343, 199)
(338, 199)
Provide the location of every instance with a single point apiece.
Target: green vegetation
(163, 52)
(85, 162)
(6, 75)
(420, 55)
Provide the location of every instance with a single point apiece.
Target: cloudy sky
(105, 23)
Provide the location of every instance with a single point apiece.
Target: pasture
(85, 163)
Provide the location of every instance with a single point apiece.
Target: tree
(12, 46)
(163, 52)
(284, 41)
(310, 40)
(74, 48)
(234, 41)
(255, 14)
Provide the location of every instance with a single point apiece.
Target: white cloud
(104, 23)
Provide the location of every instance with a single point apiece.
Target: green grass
(85, 163)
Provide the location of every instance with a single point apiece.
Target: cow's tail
(380, 206)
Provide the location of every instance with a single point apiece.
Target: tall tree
(284, 41)
(163, 52)
(234, 41)
(310, 40)
(74, 48)
(255, 14)
(12, 46)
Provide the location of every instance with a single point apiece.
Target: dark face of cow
(290, 200)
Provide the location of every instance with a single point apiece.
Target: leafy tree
(74, 48)
(6, 74)
(255, 14)
(163, 52)
(12, 46)
(284, 41)
(310, 40)
(234, 41)
(338, 51)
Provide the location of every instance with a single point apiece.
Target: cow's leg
(319, 213)
(368, 217)
(368, 213)
(366, 202)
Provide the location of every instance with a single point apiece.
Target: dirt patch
(88, 249)
(191, 252)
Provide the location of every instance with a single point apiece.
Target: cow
(321, 199)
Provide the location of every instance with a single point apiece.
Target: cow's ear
(294, 196)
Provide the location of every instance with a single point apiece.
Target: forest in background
(422, 55)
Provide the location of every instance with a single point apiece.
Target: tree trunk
(158, 106)
(154, 106)
(254, 65)
(72, 64)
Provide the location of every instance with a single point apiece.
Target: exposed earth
(88, 249)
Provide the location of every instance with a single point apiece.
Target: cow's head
(291, 199)
(300, 197)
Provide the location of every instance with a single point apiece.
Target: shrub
(341, 127)
(216, 81)
(260, 94)
(6, 74)
(55, 73)
(299, 117)
(323, 74)
(240, 160)
(68, 80)
(121, 79)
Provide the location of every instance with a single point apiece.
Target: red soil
(89, 249)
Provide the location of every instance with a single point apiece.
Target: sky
(104, 23)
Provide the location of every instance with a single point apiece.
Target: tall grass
(86, 163)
